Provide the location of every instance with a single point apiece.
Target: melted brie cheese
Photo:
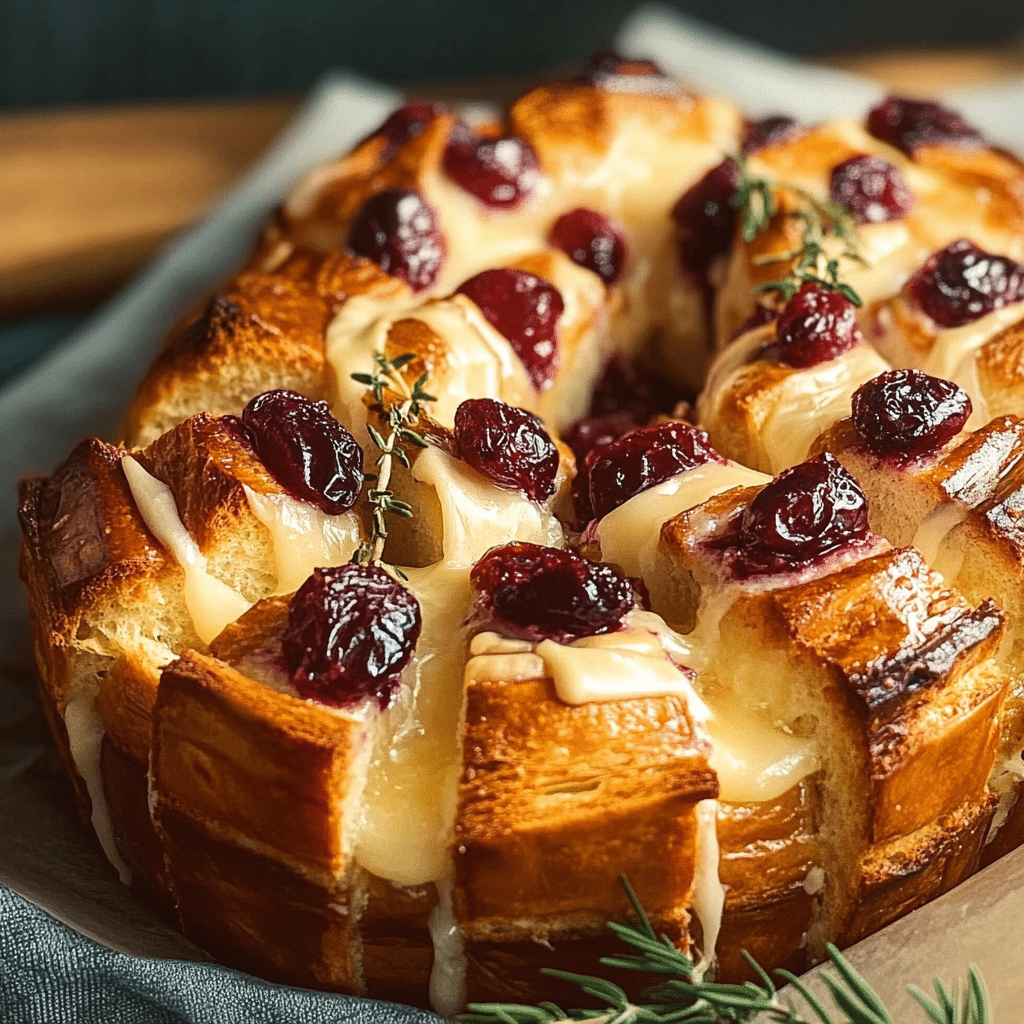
(304, 538)
(708, 891)
(810, 401)
(448, 973)
(85, 740)
(411, 784)
(211, 602)
(629, 534)
(476, 515)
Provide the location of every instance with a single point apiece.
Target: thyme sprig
(821, 221)
(399, 417)
(680, 999)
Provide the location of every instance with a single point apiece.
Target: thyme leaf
(683, 998)
(399, 417)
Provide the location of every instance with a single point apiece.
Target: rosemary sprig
(680, 999)
(755, 199)
(399, 417)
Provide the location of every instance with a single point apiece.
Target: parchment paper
(81, 389)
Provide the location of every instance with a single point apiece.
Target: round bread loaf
(626, 488)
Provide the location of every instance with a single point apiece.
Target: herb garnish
(821, 220)
(399, 417)
(680, 1000)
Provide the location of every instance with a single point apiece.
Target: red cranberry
(525, 308)
(406, 123)
(501, 172)
(539, 593)
(871, 189)
(588, 434)
(508, 445)
(351, 631)
(398, 230)
(769, 131)
(961, 283)
(907, 412)
(308, 452)
(591, 240)
(609, 71)
(815, 325)
(760, 316)
(908, 124)
(804, 513)
(643, 459)
(706, 219)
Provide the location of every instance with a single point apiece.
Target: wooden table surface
(87, 196)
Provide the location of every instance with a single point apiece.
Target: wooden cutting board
(87, 196)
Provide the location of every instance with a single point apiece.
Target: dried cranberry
(540, 593)
(308, 452)
(397, 229)
(406, 123)
(804, 513)
(591, 240)
(627, 385)
(706, 219)
(607, 70)
(351, 631)
(508, 445)
(760, 316)
(816, 325)
(643, 459)
(501, 172)
(525, 308)
(908, 124)
(872, 189)
(961, 283)
(907, 412)
(769, 131)
(588, 434)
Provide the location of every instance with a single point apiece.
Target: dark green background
(61, 51)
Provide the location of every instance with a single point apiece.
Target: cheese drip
(954, 355)
(411, 784)
(476, 515)
(448, 975)
(211, 602)
(810, 401)
(708, 892)
(629, 535)
(85, 739)
(304, 538)
(933, 536)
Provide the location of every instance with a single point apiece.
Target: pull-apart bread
(624, 488)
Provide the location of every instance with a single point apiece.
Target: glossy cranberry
(592, 241)
(590, 433)
(608, 70)
(525, 308)
(908, 124)
(407, 123)
(643, 459)
(760, 316)
(308, 452)
(907, 412)
(961, 283)
(814, 326)
(398, 230)
(507, 445)
(501, 172)
(706, 219)
(540, 593)
(351, 630)
(769, 131)
(804, 513)
(872, 189)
